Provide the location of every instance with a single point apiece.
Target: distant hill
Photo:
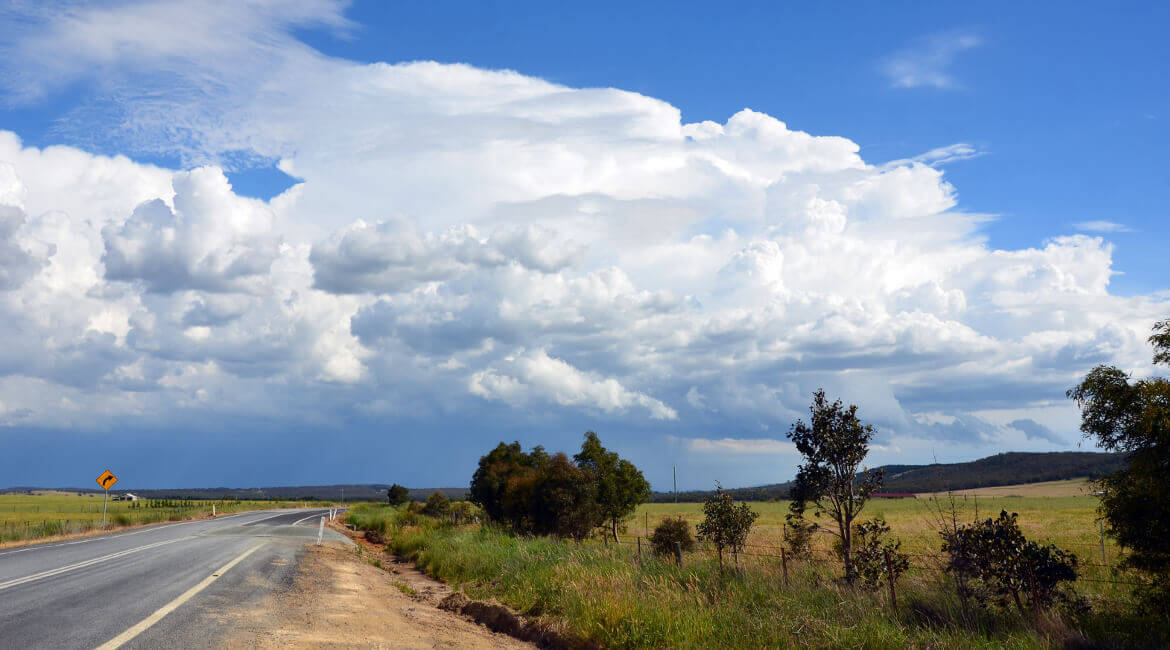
(363, 492)
(1001, 469)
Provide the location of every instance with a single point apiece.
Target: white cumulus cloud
(465, 241)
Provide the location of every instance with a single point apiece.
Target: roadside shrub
(437, 505)
(671, 531)
(122, 519)
(463, 512)
(995, 564)
(397, 495)
(879, 558)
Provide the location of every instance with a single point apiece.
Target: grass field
(50, 514)
(1067, 521)
(1074, 487)
(610, 594)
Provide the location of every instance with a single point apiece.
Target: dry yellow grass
(1075, 487)
(52, 514)
(1069, 521)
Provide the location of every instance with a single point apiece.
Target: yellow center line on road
(145, 624)
(80, 565)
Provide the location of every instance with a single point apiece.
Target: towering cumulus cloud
(465, 242)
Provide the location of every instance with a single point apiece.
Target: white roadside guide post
(320, 531)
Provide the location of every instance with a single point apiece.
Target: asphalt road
(154, 587)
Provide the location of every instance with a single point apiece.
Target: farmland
(46, 514)
(619, 596)
(1068, 521)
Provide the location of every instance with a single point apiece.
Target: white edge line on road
(145, 623)
(279, 514)
(300, 520)
(71, 567)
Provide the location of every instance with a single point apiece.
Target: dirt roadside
(339, 599)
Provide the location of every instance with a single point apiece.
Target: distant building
(129, 497)
(893, 495)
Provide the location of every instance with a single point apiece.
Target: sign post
(107, 481)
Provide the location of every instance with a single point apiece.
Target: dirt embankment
(340, 599)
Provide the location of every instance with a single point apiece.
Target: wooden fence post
(678, 553)
(890, 577)
(1101, 529)
(784, 565)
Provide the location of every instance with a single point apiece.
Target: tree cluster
(1134, 417)
(534, 493)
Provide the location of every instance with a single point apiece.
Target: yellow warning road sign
(107, 480)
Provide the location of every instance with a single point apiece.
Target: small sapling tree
(620, 486)
(798, 531)
(878, 557)
(725, 524)
(833, 445)
(397, 495)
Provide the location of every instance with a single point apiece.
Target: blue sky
(993, 171)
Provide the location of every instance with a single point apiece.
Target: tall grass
(606, 594)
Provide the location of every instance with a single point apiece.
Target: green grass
(26, 517)
(604, 593)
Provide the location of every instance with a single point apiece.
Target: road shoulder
(340, 599)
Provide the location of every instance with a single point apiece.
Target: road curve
(159, 586)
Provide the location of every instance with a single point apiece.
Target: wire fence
(923, 562)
